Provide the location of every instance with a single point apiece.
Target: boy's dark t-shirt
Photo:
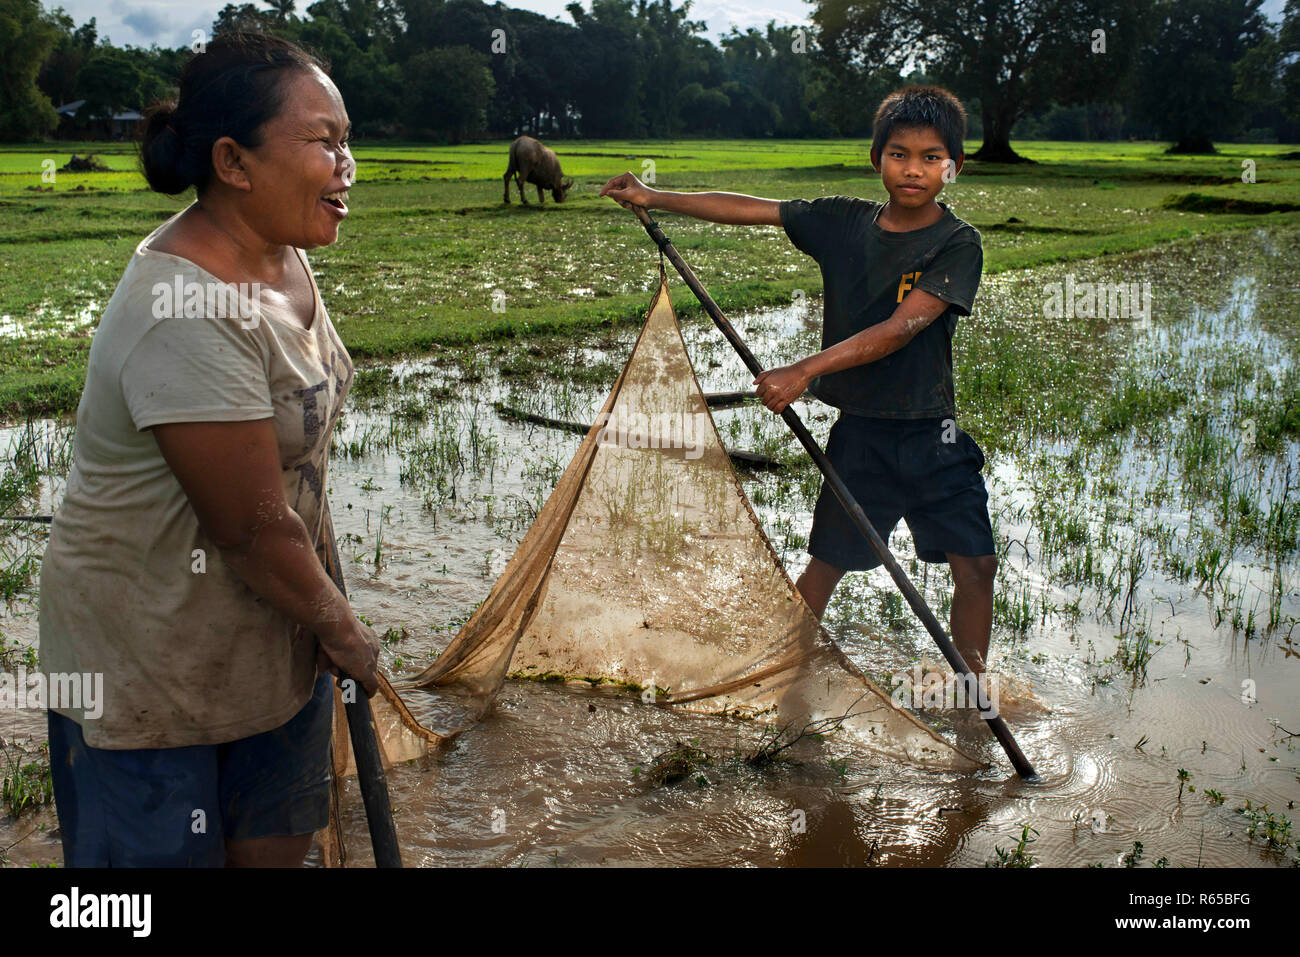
(866, 272)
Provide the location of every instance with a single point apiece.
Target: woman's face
(300, 174)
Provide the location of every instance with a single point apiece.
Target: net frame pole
(365, 747)
(996, 725)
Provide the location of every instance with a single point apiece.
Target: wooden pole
(365, 746)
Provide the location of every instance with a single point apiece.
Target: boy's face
(911, 166)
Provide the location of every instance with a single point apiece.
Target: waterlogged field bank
(430, 255)
(1143, 474)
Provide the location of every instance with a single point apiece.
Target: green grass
(24, 784)
(429, 241)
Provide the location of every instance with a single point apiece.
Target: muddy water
(431, 489)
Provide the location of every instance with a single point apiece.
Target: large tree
(671, 59)
(1188, 66)
(244, 17)
(370, 85)
(1289, 49)
(370, 23)
(448, 90)
(27, 34)
(777, 73)
(60, 73)
(111, 82)
(283, 8)
(608, 72)
(1014, 56)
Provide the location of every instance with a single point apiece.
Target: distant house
(120, 126)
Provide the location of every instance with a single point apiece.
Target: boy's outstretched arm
(733, 209)
(777, 388)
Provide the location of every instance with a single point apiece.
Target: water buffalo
(531, 162)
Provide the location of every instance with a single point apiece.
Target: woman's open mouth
(337, 202)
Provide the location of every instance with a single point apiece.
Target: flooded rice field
(1145, 496)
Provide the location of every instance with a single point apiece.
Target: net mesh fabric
(647, 567)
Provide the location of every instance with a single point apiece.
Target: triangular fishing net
(647, 567)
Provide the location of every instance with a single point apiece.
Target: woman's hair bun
(162, 151)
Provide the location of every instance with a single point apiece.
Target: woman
(184, 562)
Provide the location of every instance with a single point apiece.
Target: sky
(170, 22)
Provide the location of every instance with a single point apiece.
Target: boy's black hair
(919, 106)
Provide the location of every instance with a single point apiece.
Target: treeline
(1185, 70)
(452, 69)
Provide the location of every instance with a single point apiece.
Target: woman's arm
(230, 472)
(733, 209)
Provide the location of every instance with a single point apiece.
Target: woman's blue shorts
(176, 807)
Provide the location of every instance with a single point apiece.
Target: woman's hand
(777, 388)
(355, 653)
(628, 191)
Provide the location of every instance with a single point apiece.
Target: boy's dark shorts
(902, 468)
(136, 808)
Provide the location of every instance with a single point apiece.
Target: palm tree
(282, 8)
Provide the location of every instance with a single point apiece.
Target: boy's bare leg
(971, 620)
(816, 584)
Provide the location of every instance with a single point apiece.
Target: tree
(110, 83)
(776, 68)
(62, 68)
(27, 34)
(245, 17)
(543, 81)
(1257, 81)
(448, 91)
(669, 61)
(608, 73)
(283, 8)
(368, 22)
(1015, 57)
(1190, 60)
(1289, 55)
(370, 85)
(704, 111)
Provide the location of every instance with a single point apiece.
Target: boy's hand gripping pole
(995, 723)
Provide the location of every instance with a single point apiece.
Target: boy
(896, 278)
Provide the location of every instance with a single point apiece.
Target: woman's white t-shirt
(131, 587)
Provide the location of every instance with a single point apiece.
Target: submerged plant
(676, 764)
(1275, 829)
(1018, 856)
(1133, 857)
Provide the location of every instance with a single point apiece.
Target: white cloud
(721, 15)
(142, 23)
